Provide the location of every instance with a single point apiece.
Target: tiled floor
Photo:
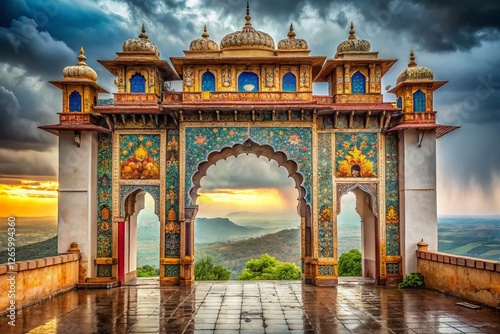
(252, 307)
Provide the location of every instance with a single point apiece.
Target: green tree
(147, 271)
(205, 270)
(268, 268)
(350, 263)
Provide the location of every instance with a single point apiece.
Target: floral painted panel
(392, 194)
(104, 202)
(356, 154)
(295, 142)
(140, 156)
(172, 227)
(325, 195)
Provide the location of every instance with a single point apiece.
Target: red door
(121, 251)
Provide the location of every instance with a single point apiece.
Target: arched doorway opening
(357, 203)
(282, 160)
(247, 208)
(141, 225)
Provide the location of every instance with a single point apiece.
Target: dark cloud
(27, 163)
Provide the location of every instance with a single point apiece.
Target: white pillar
(417, 191)
(77, 204)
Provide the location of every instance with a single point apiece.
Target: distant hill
(33, 251)
(277, 220)
(284, 245)
(207, 230)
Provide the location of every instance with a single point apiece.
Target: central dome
(248, 37)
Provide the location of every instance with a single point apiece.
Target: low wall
(29, 281)
(469, 278)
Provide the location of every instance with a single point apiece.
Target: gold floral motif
(355, 164)
(392, 215)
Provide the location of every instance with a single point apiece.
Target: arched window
(400, 102)
(358, 82)
(137, 83)
(289, 82)
(248, 82)
(75, 101)
(208, 82)
(418, 101)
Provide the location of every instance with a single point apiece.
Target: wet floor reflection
(252, 307)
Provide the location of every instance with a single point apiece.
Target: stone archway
(251, 147)
(367, 208)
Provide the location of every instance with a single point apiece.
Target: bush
(204, 270)
(350, 263)
(268, 268)
(148, 271)
(414, 280)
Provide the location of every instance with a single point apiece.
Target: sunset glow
(220, 202)
(28, 198)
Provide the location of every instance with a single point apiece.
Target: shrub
(414, 280)
(350, 263)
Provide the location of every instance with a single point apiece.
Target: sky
(459, 40)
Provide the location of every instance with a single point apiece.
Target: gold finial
(82, 57)
(143, 32)
(248, 17)
(412, 62)
(205, 33)
(351, 32)
(291, 33)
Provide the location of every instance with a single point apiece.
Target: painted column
(77, 205)
(417, 180)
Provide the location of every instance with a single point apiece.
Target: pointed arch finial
(412, 62)
(351, 32)
(82, 57)
(291, 33)
(205, 32)
(248, 17)
(143, 32)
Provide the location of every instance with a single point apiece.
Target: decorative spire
(248, 17)
(412, 62)
(351, 32)
(205, 33)
(291, 33)
(143, 33)
(82, 57)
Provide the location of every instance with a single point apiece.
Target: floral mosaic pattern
(326, 270)
(140, 156)
(104, 202)
(295, 142)
(392, 268)
(172, 228)
(172, 270)
(325, 195)
(392, 195)
(356, 154)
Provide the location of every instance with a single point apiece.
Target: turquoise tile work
(325, 195)
(295, 142)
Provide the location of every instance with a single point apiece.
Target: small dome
(140, 44)
(292, 43)
(80, 70)
(414, 72)
(353, 44)
(248, 37)
(203, 43)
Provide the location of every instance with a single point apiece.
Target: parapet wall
(469, 278)
(29, 281)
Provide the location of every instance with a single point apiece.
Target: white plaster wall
(77, 203)
(417, 182)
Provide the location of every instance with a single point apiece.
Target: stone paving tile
(252, 307)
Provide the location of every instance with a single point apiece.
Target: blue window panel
(358, 82)
(400, 102)
(75, 101)
(418, 101)
(248, 82)
(289, 82)
(208, 82)
(137, 84)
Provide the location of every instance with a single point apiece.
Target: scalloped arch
(250, 147)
